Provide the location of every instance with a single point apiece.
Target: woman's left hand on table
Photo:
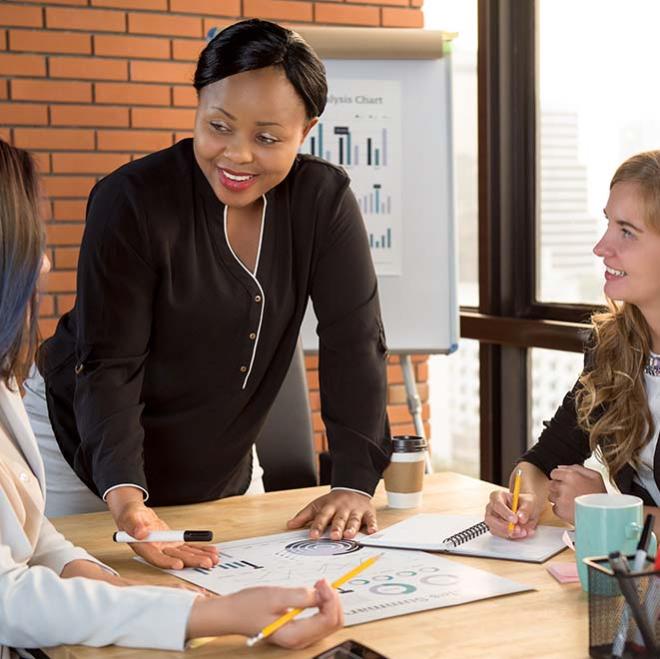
(568, 482)
(343, 511)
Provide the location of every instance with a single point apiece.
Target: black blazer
(164, 371)
(563, 442)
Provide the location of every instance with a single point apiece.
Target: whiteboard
(417, 286)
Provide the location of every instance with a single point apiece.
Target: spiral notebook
(467, 535)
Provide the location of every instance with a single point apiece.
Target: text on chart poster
(360, 130)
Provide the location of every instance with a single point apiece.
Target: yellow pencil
(516, 496)
(290, 615)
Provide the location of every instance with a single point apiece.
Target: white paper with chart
(399, 582)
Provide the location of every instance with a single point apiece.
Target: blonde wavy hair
(611, 399)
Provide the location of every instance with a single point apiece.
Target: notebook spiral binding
(467, 534)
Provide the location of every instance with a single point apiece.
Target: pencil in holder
(617, 604)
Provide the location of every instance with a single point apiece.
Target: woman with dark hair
(40, 603)
(614, 408)
(195, 270)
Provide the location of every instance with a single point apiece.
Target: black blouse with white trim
(165, 369)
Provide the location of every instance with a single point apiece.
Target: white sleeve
(40, 609)
(53, 550)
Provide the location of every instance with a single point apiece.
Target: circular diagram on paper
(440, 580)
(392, 589)
(358, 582)
(383, 577)
(323, 547)
(406, 573)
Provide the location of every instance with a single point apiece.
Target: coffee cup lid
(408, 443)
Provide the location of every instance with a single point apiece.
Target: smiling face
(248, 129)
(630, 250)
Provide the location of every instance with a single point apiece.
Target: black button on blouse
(181, 350)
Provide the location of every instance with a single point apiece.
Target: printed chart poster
(400, 582)
(360, 130)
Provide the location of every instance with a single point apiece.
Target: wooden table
(548, 622)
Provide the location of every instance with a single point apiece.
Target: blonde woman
(40, 603)
(614, 407)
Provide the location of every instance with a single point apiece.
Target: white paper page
(400, 582)
(429, 531)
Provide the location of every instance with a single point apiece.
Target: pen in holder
(623, 610)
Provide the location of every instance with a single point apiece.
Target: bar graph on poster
(360, 130)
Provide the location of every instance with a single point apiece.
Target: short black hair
(256, 44)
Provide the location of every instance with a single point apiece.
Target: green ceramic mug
(605, 523)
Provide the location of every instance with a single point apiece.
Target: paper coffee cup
(404, 476)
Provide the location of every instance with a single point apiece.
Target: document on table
(400, 582)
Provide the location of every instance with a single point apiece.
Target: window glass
(599, 104)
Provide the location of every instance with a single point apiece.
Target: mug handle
(633, 531)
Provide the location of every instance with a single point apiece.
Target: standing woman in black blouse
(195, 270)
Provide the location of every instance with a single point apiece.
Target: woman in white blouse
(41, 603)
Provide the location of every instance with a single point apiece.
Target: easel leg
(414, 402)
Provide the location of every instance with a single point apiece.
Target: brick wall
(88, 85)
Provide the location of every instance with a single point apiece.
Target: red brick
(22, 65)
(288, 10)
(171, 72)
(46, 305)
(164, 118)
(211, 7)
(88, 68)
(416, 3)
(62, 281)
(397, 17)
(54, 138)
(94, 20)
(347, 14)
(121, 46)
(168, 25)
(132, 4)
(317, 422)
(65, 234)
(65, 303)
(422, 372)
(311, 361)
(185, 96)
(47, 327)
(46, 41)
(84, 163)
(131, 94)
(313, 380)
(24, 114)
(69, 209)
(4, 89)
(382, 2)
(20, 16)
(394, 375)
(79, 3)
(3, 39)
(42, 161)
(133, 140)
(218, 23)
(178, 136)
(320, 442)
(315, 401)
(88, 115)
(66, 257)
(187, 49)
(68, 186)
(51, 90)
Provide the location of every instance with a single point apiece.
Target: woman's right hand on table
(131, 515)
(499, 514)
(248, 611)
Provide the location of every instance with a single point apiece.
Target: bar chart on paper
(361, 131)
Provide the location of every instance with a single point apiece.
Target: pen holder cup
(608, 617)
